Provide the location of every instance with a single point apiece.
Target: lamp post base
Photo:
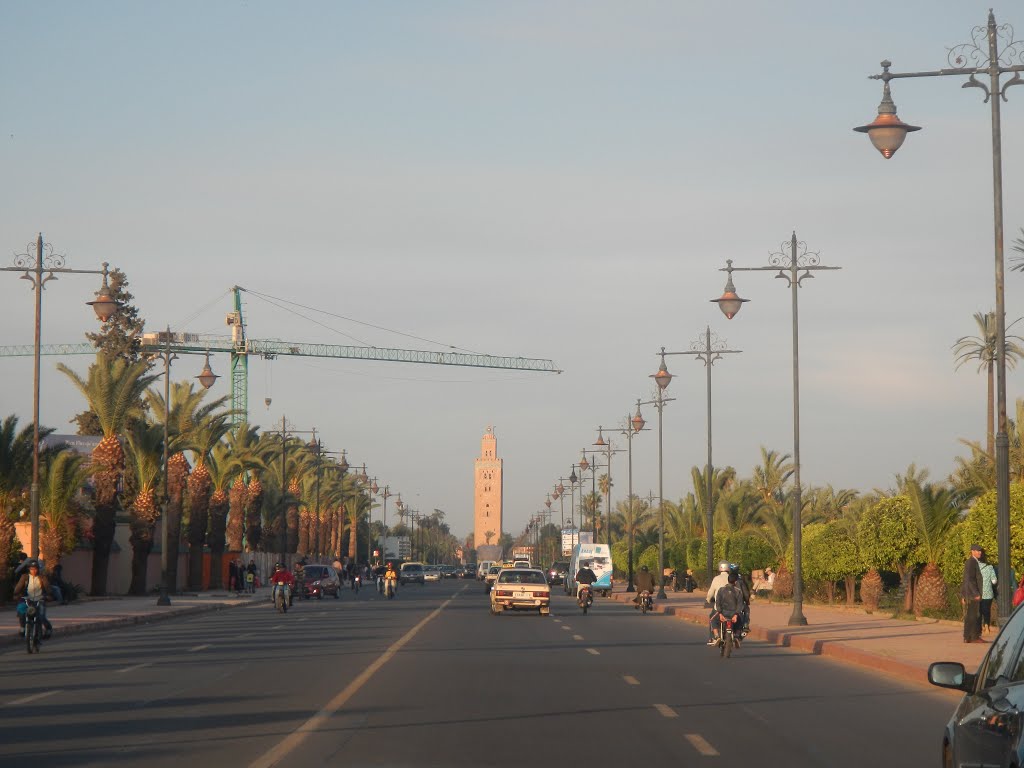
(164, 599)
(797, 619)
(630, 587)
(661, 593)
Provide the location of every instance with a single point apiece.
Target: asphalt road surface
(432, 679)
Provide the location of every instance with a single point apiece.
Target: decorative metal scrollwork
(783, 258)
(700, 343)
(50, 260)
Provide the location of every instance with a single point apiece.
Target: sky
(558, 180)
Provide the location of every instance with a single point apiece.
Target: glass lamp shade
(662, 378)
(104, 305)
(584, 463)
(206, 376)
(887, 133)
(374, 487)
(638, 421)
(572, 477)
(729, 303)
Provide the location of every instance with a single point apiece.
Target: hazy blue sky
(546, 179)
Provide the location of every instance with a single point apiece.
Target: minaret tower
(487, 497)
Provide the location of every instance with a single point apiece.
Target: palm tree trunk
(177, 481)
(292, 530)
(305, 526)
(352, 536)
(236, 510)
(103, 525)
(142, 545)
(215, 540)
(198, 520)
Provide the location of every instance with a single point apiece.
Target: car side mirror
(950, 674)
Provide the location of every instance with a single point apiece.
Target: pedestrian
(250, 577)
(988, 592)
(233, 576)
(970, 596)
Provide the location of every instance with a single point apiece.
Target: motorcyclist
(729, 603)
(585, 576)
(744, 588)
(390, 580)
(643, 580)
(34, 586)
(717, 583)
(282, 579)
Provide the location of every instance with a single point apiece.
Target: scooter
(646, 601)
(356, 583)
(586, 597)
(282, 597)
(389, 588)
(33, 625)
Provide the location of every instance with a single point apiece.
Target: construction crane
(241, 348)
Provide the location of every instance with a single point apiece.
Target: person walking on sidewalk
(970, 596)
(988, 592)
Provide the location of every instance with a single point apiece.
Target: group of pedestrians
(977, 591)
(243, 578)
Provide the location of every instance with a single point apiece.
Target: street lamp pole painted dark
(709, 350)
(32, 268)
(630, 428)
(788, 266)
(982, 56)
(608, 451)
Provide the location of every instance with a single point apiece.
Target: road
(432, 679)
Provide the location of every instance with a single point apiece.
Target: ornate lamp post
(608, 451)
(33, 268)
(788, 266)
(709, 349)
(991, 52)
(207, 378)
(662, 378)
(629, 428)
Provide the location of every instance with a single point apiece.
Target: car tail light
(542, 594)
(503, 593)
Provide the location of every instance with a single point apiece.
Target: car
(521, 589)
(984, 728)
(522, 564)
(431, 573)
(469, 572)
(482, 568)
(557, 571)
(491, 576)
(411, 573)
(321, 580)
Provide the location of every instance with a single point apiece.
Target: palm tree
(984, 349)
(243, 450)
(144, 457)
(113, 390)
(223, 471)
(935, 512)
(64, 475)
(15, 479)
(203, 437)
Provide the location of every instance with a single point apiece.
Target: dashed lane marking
(701, 745)
(567, 627)
(666, 711)
(593, 651)
(202, 647)
(577, 637)
(33, 697)
(134, 667)
(630, 680)
(277, 626)
(557, 621)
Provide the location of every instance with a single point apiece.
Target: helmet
(643, 567)
(723, 567)
(278, 566)
(31, 563)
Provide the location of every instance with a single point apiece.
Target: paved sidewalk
(896, 647)
(92, 615)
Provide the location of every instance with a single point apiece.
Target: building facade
(487, 497)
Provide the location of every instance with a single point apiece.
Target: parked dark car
(986, 727)
(321, 580)
(557, 571)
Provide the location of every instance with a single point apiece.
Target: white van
(599, 558)
(482, 568)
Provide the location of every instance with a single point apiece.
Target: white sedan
(431, 574)
(521, 589)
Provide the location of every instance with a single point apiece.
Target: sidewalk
(94, 615)
(896, 647)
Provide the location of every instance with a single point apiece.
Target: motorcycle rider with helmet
(585, 576)
(390, 581)
(717, 583)
(35, 586)
(744, 588)
(729, 604)
(643, 580)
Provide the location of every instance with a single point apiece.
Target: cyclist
(644, 582)
(36, 587)
(717, 583)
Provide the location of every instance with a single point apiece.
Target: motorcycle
(356, 583)
(585, 598)
(33, 624)
(727, 639)
(389, 588)
(646, 601)
(282, 597)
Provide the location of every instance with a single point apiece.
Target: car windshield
(315, 572)
(411, 567)
(494, 569)
(521, 577)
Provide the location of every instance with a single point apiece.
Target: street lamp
(385, 494)
(888, 132)
(629, 428)
(608, 451)
(32, 268)
(662, 378)
(167, 356)
(593, 467)
(788, 266)
(709, 350)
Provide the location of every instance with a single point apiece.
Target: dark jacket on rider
(643, 581)
(586, 576)
(729, 600)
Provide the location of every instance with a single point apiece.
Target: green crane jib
(240, 349)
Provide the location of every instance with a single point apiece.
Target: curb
(122, 621)
(833, 649)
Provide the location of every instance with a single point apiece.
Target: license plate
(522, 595)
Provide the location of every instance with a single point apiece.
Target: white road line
(557, 621)
(277, 626)
(577, 637)
(666, 711)
(566, 626)
(199, 648)
(701, 745)
(593, 651)
(287, 745)
(630, 680)
(33, 697)
(247, 634)
(134, 667)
